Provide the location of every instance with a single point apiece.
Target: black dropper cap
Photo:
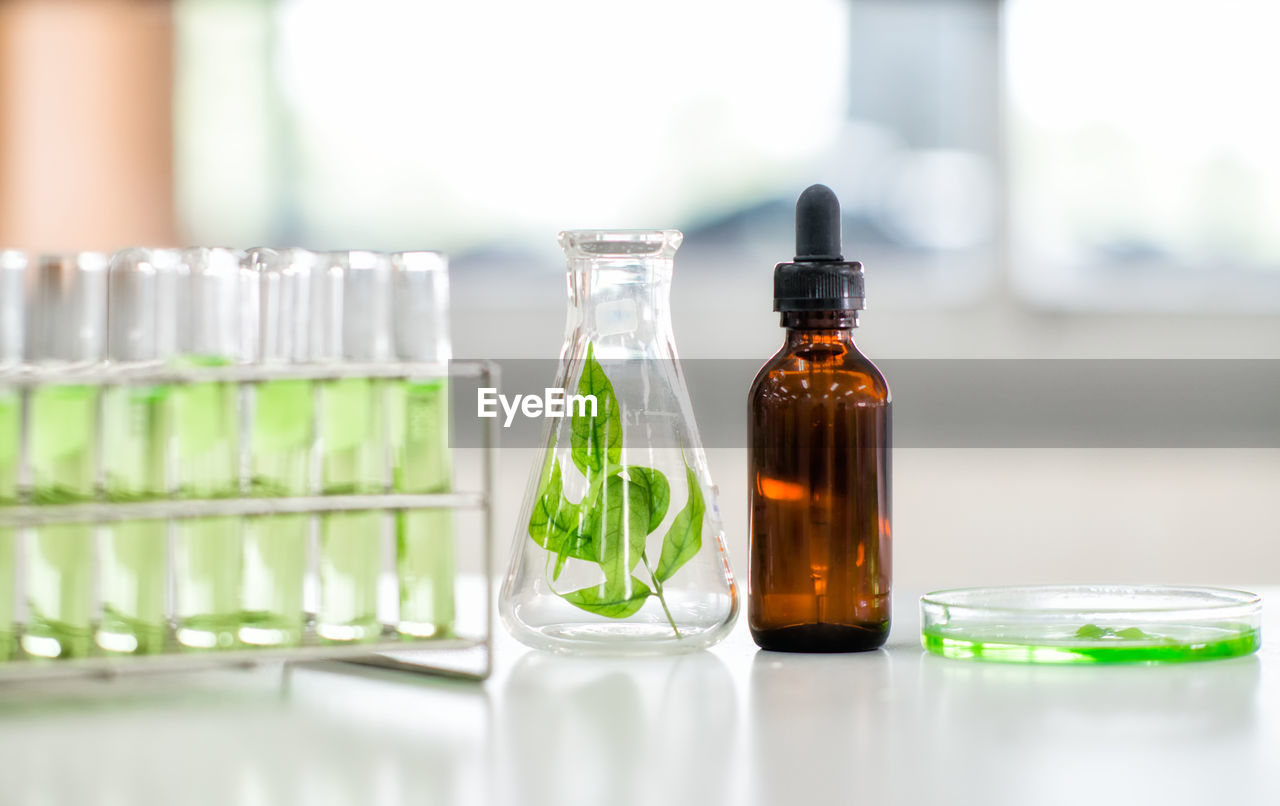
(819, 279)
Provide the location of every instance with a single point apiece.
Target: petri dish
(1090, 624)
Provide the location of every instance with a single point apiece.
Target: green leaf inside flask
(684, 538)
(609, 600)
(596, 436)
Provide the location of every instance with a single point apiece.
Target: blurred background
(1021, 178)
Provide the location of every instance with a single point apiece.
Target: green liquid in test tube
(13, 266)
(66, 306)
(10, 425)
(353, 434)
(60, 562)
(425, 552)
(352, 319)
(280, 444)
(141, 324)
(425, 562)
(135, 429)
(205, 418)
(206, 424)
(275, 551)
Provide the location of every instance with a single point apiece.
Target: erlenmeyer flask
(619, 546)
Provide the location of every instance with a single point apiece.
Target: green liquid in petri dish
(60, 563)
(353, 436)
(1091, 643)
(275, 552)
(208, 556)
(135, 434)
(425, 561)
(10, 435)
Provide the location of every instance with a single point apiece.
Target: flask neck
(619, 287)
(620, 304)
(819, 327)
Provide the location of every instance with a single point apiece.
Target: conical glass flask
(619, 546)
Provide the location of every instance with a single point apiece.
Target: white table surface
(732, 725)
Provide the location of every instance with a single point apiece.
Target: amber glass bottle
(819, 458)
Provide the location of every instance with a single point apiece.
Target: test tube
(13, 265)
(215, 302)
(65, 328)
(354, 301)
(141, 331)
(281, 435)
(425, 554)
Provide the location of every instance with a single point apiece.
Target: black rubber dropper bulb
(819, 279)
(818, 225)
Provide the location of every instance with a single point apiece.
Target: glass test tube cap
(218, 298)
(66, 308)
(142, 287)
(353, 307)
(13, 266)
(420, 302)
(285, 278)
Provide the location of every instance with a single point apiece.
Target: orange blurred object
(86, 129)
(779, 490)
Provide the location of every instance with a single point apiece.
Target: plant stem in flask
(425, 554)
(60, 563)
(353, 436)
(208, 552)
(135, 434)
(276, 546)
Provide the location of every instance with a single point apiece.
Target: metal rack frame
(441, 656)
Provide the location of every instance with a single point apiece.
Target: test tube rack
(466, 655)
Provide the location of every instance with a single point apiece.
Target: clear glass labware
(65, 328)
(619, 546)
(141, 298)
(419, 428)
(353, 301)
(281, 434)
(13, 265)
(216, 299)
